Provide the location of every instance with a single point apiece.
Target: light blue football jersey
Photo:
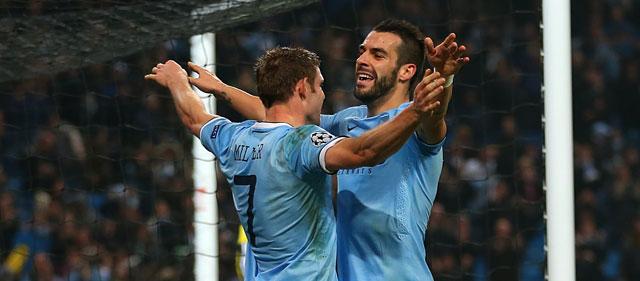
(250, 266)
(383, 210)
(282, 193)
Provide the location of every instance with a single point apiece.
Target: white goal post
(558, 140)
(205, 217)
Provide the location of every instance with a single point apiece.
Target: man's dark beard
(380, 88)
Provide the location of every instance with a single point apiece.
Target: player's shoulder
(353, 111)
(302, 132)
(386, 115)
(315, 135)
(244, 124)
(222, 128)
(222, 121)
(395, 111)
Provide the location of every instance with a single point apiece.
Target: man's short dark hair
(278, 71)
(412, 48)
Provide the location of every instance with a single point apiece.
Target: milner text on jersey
(240, 152)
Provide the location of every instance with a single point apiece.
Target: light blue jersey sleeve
(429, 149)
(215, 136)
(306, 147)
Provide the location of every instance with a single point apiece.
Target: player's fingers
(453, 48)
(430, 77)
(449, 39)
(426, 81)
(421, 85)
(459, 52)
(159, 65)
(198, 69)
(429, 44)
(432, 106)
(433, 85)
(462, 61)
(155, 70)
(429, 92)
(427, 72)
(150, 77)
(428, 97)
(435, 93)
(194, 67)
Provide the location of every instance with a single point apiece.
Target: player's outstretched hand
(447, 56)
(427, 93)
(206, 81)
(167, 73)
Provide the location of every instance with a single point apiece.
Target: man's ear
(301, 89)
(407, 71)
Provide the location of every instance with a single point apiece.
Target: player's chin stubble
(381, 87)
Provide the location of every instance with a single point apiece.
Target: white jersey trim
(205, 124)
(269, 125)
(323, 152)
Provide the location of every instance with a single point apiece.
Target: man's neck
(285, 113)
(390, 101)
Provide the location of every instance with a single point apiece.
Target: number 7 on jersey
(249, 180)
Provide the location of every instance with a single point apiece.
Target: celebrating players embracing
(279, 169)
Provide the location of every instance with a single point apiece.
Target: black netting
(65, 36)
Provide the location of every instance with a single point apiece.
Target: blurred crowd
(95, 171)
(606, 94)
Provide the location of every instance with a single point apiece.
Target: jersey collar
(270, 125)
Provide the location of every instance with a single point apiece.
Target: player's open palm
(206, 81)
(427, 93)
(447, 56)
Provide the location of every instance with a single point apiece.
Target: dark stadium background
(95, 170)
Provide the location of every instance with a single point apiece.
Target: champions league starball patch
(320, 138)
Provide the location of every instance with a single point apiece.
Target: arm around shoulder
(375, 146)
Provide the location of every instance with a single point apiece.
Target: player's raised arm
(188, 104)
(247, 104)
(447, 58)
(376, 145)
